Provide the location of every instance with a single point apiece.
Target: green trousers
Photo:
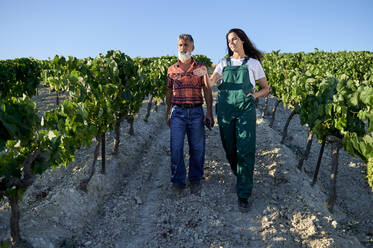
(237, 124)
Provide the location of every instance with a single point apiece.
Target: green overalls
(237, 124)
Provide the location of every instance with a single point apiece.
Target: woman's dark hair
(248, 47)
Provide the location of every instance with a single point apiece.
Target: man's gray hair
(186, 37)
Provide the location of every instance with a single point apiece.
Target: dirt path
(147, 213)
(133, 205)
(286, 210)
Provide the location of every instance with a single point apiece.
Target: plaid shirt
(186, 86)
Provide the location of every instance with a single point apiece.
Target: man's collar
(193, 62)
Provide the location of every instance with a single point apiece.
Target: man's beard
(184, 56)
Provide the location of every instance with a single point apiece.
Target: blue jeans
(187, 121)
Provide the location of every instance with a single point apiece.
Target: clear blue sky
(146, 28)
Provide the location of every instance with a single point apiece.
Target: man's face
(184, 46)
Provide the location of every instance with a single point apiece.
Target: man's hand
(168, 105)
(168, 119)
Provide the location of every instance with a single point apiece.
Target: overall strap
(229, 61)
(245, 60)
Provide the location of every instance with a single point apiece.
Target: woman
(236, 108)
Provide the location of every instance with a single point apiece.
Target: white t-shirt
(255, 68)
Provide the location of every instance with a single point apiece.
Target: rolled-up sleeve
(170, 81)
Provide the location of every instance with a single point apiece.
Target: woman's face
(234, 42)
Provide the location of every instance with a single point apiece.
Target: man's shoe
(195, 188)
(177, 188)
(243, 205)
(176, 192)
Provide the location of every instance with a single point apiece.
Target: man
(186, 80)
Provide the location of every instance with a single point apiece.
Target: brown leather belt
(188, 105)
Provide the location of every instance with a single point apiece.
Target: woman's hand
(251, 94)
(264, 89)
(214, 78)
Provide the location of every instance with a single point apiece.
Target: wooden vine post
(307, 151)
(103, 154)
(84, 182)
(285, 131)
(148, 108)
(316, 172)
(274, 112)
(264, 110)
(336, 146)
(117, 134)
